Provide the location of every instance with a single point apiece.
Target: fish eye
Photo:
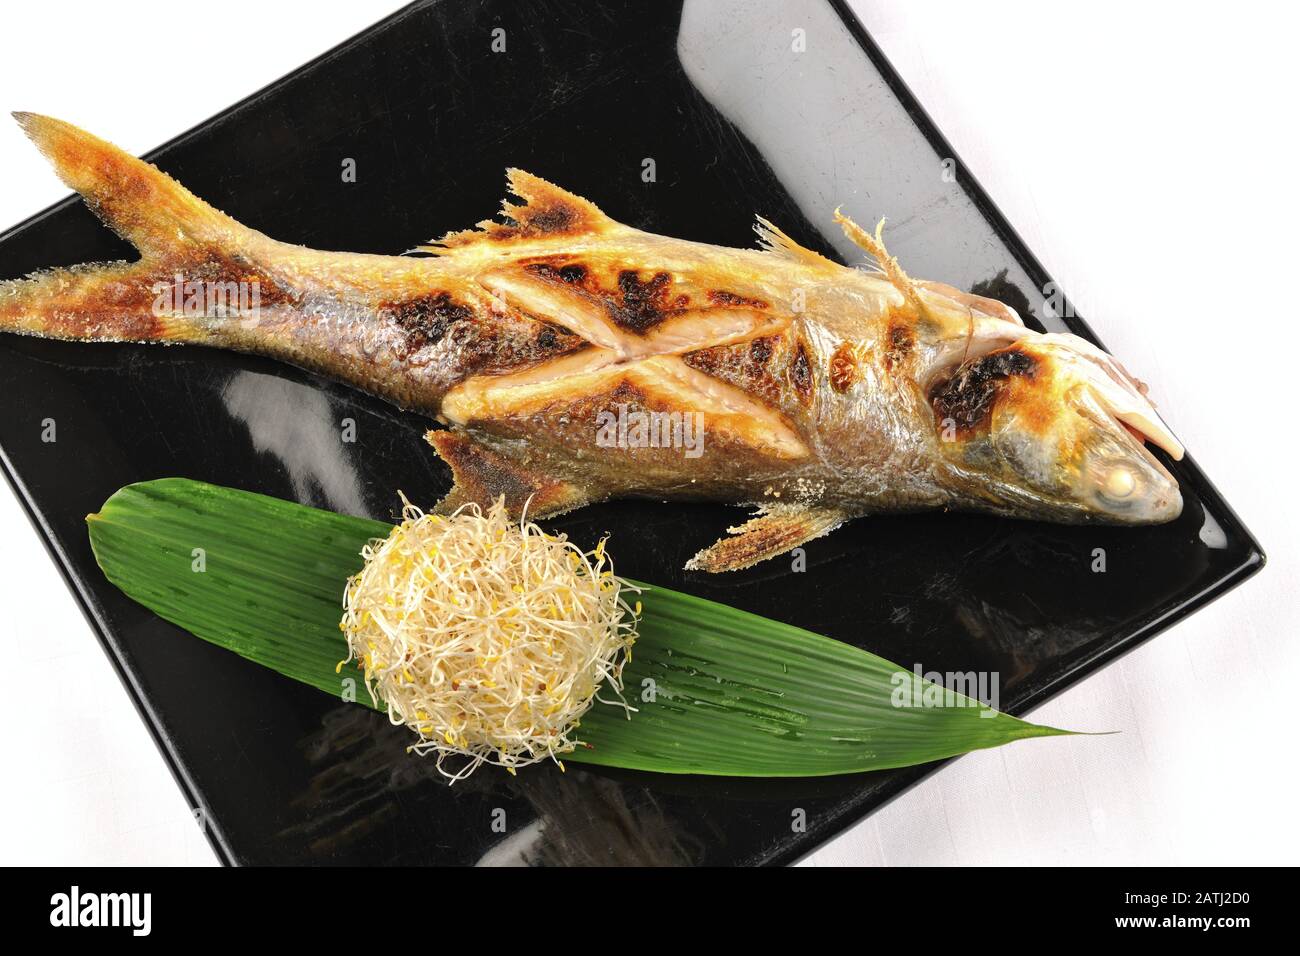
(1119, 483)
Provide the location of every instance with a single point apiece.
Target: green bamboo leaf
(717, 690)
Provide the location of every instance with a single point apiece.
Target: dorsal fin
(546, 210)
(774, 240)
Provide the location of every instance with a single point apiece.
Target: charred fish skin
(772, 377)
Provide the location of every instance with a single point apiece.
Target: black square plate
(781, 109)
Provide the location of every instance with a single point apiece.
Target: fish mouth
(1120, 395)
(1082, 430)
(1125, 481)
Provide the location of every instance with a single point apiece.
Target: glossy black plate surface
(737, 120)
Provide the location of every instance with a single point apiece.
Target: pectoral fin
(775, 530)
(482, 475)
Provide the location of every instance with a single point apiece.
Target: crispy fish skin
(822, 392)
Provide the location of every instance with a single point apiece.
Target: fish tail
(195, 261)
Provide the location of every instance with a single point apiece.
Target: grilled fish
(571, 359)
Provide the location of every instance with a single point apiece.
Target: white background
(1147, 153)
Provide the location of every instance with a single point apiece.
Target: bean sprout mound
(487, 637)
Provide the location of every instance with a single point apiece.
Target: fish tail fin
(182, 240)
(135, 199)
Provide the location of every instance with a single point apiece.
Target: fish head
(1052, 427)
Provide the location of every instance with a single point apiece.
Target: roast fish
(571, 359)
